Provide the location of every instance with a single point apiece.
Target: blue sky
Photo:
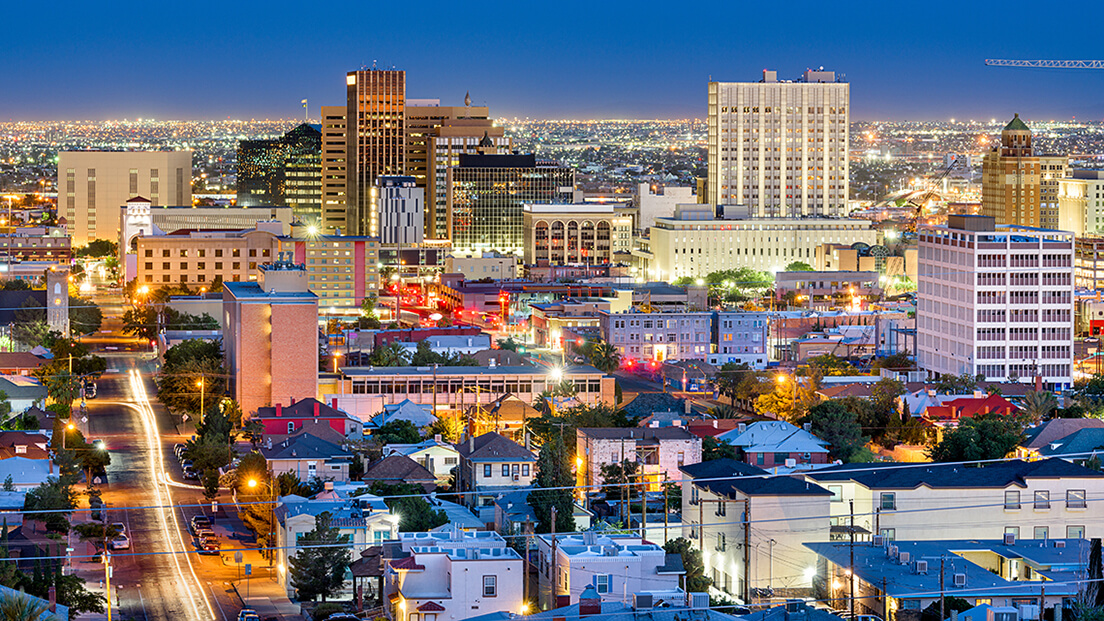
(562, 59)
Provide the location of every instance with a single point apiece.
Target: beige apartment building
(341, 269)
(196, 258)
(334, 181)
(93, 185)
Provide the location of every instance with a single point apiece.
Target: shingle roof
(492, 447)
(1017, 125)
(398, 467)
(909, 476)
(774, 436)
(1083, 441)
(305, 446)
(1055, 429)
(707, 473)
(302, 409)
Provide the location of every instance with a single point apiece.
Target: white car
(119, 528)
(120, 542)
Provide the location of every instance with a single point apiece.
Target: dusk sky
(563, 60)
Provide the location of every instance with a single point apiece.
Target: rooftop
(950, 476)
(442, 371)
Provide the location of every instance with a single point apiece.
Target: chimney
(333, 403)
(1038, 383)
(808, 427)
(292, 401)
(471, 443)
(279, 409)
(51, 594)
(437, 438)
(316, 404)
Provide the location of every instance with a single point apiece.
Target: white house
(434, 455)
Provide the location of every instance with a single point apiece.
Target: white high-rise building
(401, 210)
(996, 301)
(780, 147)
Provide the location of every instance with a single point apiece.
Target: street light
(65, 436)
(200, 385)
(336, 355)
(252, 484)
(781, 379)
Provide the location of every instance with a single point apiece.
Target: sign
(249, 569)
(238, 557)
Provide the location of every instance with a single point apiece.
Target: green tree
(179, 389)
(789, 401)
(900, 362)
(98, 248)
(84, 316)
(554, 482)
(799, 266)
(837, 426)
(318, 568)
(981, 437)
(605, 357)
(1038, 405)
(29, 327)
(694, 580)
(19, 606)
(390, 355)
(831, 364)
(957, 384)
(508, 344)
(450, 427)
(14, 284)
(712, 448)
(56, 501)
(397, 432)
(210, 481)
(408, 501)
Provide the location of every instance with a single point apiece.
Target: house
(985, 612)
(308, 457)
(418, 414)
(776, 443)
(45, 420)
(660, 451)
(1046, 433)
(23, 362)
(1042, 499)
(514, 514)
(365, 519)
(491, 464)
(24, 458)
(315, 427)
(668, 605)
(439, 457)
(948, 413)
(613, 565)
(286, 420)
(54, 611)
(897, 577)
(23, 391)
(719, 495)
(450, 344)
(1079, 447)
(397, 469)
(507, 414)
(451, 574)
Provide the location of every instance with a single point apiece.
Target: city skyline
(572, 62)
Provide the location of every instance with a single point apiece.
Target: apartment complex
(996, 301)
(658, 336)
(695, 243)
(334, 181)
(1018, 185)
(341, 269)
(284, 171)
(491, 265)
(374, 140)
(93, 185)
(576, 234)
(1091, 186)
(37, 243)
(612, 565)
(197, 258)
(401, 210)
(780, 147)
(487, 194)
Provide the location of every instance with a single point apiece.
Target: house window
(1075, 532)
(1075, 499)
(721, 542)
(889, 501)
(1012, 530)
(486, 471)
(602, 583)
(490, 586)
(525, 470)
(889, 534)
(291, 428)
(450, 461)
(312, 469)
(780, 458)
(1011, 500)
(837, 492)
(505, 470)
(681, 459)
(1041, 532)
(721, 508)
(759, 459)
(1042, 500)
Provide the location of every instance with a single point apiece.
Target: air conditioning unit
(1059, 544)
(960, 580)
(1009, 539)
(1028, 611)
(892, 550)
(904, 557)
(517, 477)
(921, 567)
(879, 541)
(790, 463)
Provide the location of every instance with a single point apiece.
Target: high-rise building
(780, 147)
(1018, 185)
(341, 269)
(284, 171)
(93, 185)
(486, 194)
(334, 203)
(401, 210)
(374, 140)
(435, 137)
(996, 301)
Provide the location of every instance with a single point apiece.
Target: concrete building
(334, 178)
(374, 140)
(487, 193)
(780, 148)
(483, 265)
(814, 286)
(284, 171)
(613, 565)
(660, 451)
(401, 210)
(271, 337)
(573, 234)
(659, 201)
(37, 243)
(658, 336)
(996, 301)
(862, 257)
(1093, 191)
(196, 258)
(549, 321)
(93, 185)
(742, 338)
(694, 243)
(341, 269)
(1020, 186)
(1088, 262)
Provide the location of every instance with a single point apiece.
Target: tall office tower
(93, 185)
(995, 301)
(334, 204)
(1018, 186)
(435, 136)
(780, 147)
(373, 140)
(486, 194)
(402, 210)
(283, 172)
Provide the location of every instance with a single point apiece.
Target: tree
(788, 401)
(29, 328)
(318, 567)
(98, 248)
(14, 284)
(831, 364)
(799, 266)
(84, 316)
(408, 501)
(397, 432)
(605, 357)
(981, 437)
(621, 476)
(210, 481)
(837, 426)
(390, 355)
(957, 384)
(554, 482)
(178, 386)
(56, 500)
(694, 580)
(900, 361)
(450, 427)
(508, 344)
(712, 448)
(19, 606)
(1038, 405)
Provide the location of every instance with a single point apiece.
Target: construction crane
(925, 199)
(1046, 64)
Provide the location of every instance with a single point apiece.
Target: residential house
(450, 344)
(397, 469)
(24, 457)
(791, 611)
(948, 413)
(1051, 432)
(1080, 447)
(451, 574)
(23, 362)
(286, 420)
(514, 514)
(491, 464)
(439, 457)
(1044, 499)
(720, 497)
(776, 443)
(660, 451)
(507, 415)
(23, 391)
(308, 457)
(420, 415)
(613, 565)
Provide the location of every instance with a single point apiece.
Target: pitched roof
(713, 427)
(21, 360)
(493, 447)
(968, 407)
(398, 468)
(302, 409)
(775, 436)
(321, 430)
(1055, 429)
(1016, 125)
(950, 476)
(22, 387)
(1087, 441)
(305, 446)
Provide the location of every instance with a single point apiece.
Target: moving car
(120, 542)
(209, 545)
(89, 389)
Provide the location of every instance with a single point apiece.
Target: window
(602, 583)
(486, 471)
(1075, 532)
(525, 470)
(722, 542)
(1075, 499)
(889, 501)
(1041, 532)
(490, 586)
(780, 458)
(1012, 530)
(450, 461)
(721, 508)
(1042, 500)
(890, 534)
(291, 428)
(837, 492)
(505, 470)
(1011, 500)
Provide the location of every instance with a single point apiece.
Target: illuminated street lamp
(252, 484)
(336, 356)
(202, 389)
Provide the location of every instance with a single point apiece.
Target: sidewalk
(260, 590)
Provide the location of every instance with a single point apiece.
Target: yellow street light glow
(252, 483)
(70, 426)
(781, 379)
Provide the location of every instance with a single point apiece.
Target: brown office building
(195, 258)
(1018, 186)
(374, 140)
(334, 180)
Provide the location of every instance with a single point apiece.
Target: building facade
(613, 565)
(374, 140)
(741, 338)
(491, 265)
(401, 210)
(780, 147)
(659, 201)
(334, 178)
(93, 185)
(284, 171)
(199, 258)
(996, 301)
(341, 269)
(660, 452)
(576, 234)
(487, 193)
(1019, 186)
(658, 336)
(1093, 184)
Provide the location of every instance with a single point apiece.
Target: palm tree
(390, 355)
(605, 357)
(18, 606)
(1038, 404)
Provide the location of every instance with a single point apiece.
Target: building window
(1075, 532)
(291, 428)
(1075, 499)
(525, 470)
(1012, 530)
(889, 534)
(889, 501)
(1042, 500)
(486, 471)
(602, 583)
(1011, 500)
(490, 586)
(837, 492)
(722, 542)
(505, 470)
(1041, 532)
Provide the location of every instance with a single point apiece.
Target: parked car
(119, 527)
(199, 522)
(178, 450)
(248, 614)
(203, 532)
(120, 542)
(209, 545)
(187, 463)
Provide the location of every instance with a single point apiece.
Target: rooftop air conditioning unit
(921, 567)
(790, 463)
(960, 580)
(905, 557)
(1009, 539)
(1059, 544)
(879, 541)
(892, 550)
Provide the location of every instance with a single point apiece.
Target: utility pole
(747, 549)
(666, 510)
(942, 599)
(555, 565)
(851, 570)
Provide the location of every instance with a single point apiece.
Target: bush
(326, 609)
